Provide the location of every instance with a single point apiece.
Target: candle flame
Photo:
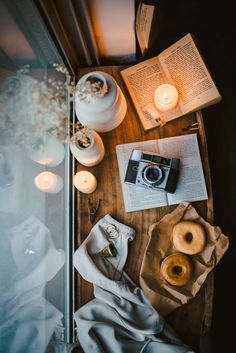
(45, 179)
(165, 95)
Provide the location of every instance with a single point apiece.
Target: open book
(180, 65)
(191, 184)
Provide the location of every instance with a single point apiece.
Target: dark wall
(213, 24)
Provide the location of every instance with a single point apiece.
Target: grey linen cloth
(120, 319)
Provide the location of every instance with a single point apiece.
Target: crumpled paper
(163, 296)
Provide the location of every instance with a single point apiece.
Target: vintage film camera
(150, 170)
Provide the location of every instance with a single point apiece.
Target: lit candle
(165, 97)
(48, 182)
(85, 182)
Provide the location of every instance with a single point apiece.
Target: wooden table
(193, 319)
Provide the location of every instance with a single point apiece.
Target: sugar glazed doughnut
(177, 269)
(189, 237)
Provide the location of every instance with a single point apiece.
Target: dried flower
(61, 68)
(83, 137)
(92, 87)
(30, 108)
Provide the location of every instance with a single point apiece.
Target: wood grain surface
(190, 319)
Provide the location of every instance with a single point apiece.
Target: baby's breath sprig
(83, 136)
(30, 108)
(92, 87)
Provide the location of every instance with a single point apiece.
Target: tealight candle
(85, 182)
(48, 182)
(165, 97)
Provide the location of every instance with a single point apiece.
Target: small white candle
(48, 182)
(165, 97)
(85, 182)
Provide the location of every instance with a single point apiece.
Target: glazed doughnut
(177, 269)
(189, 237)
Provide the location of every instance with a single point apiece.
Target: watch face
(112, 231)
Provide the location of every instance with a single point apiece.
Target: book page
(191, 185)
(184, 66)
(141, 81)
(143, 25)
(138, 198)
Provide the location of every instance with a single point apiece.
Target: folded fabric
(30, 260)
(28, 328)
(120, 319)
(162, 295)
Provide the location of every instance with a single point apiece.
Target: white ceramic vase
(51, 152)
(90, 155)
(102, 112)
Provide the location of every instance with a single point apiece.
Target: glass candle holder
(165, 97)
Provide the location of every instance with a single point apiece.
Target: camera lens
(152, 174)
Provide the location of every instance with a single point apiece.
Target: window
(36, 232)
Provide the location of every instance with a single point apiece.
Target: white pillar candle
(48, 182)
(165, 97)
(85, 182)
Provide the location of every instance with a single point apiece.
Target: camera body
(151, 170)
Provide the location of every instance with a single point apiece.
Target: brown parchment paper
(163, 296)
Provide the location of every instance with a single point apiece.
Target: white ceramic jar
(101, 112)
(88, 155)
